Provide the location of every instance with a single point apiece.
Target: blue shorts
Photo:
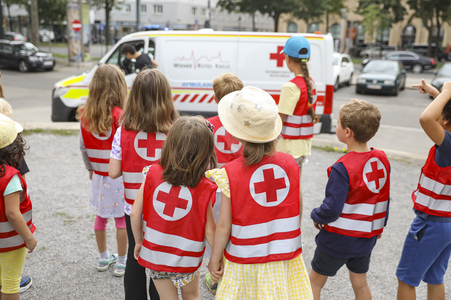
(426, 253)
(324, 264)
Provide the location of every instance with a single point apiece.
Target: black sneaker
(25, 284)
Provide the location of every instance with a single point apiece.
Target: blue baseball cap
(294, 44)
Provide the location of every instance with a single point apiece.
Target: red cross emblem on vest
(374, 175)
(172, 202)
(279, 57)
(103, 136)
(269, 185)
(148, 145)
(225, 142)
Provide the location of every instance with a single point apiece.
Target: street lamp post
(207, 19)
(138, 14)
(239, 23)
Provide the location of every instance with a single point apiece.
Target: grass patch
(331, 149)
(59, 45)
(59, 55)
(66, 132)
(357, 61)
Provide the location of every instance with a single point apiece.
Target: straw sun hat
(250, 115)
(8, 131)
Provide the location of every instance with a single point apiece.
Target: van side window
(151, 49)
(117, 58)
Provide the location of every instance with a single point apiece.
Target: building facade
(401, 35)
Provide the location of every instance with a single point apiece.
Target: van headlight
(361, 80)
(60, 92)
(389, 82)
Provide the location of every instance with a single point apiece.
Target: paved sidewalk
(63, 264)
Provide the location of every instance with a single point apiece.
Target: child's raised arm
(136, 220)
(432, 119)
(15, 218)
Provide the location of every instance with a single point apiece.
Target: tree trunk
(9, 17)
(253, 22)
(34, 22)
(381, 42)
(107, 23)
(437, 40)
(276, 21)
(327, 22)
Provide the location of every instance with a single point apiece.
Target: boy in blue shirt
(355, 210)
(427, 247)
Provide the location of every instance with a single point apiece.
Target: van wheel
(23, 66)
(403, 84)
(337, 84)
(417, 68)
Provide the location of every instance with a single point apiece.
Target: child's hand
(379, 236)
(137, 250)
(426, 88)
(31, 244)
(90, 174)
(317, 226)
(216, 270)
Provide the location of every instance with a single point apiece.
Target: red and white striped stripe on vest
(366, 205)
(9, 238)
(299, 125)
(265, 210)
(226, 147)
(139, 149)
(433, 194)
(174, 223)
(98, 146)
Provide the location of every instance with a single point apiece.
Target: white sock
(105, 255)
(121, 259)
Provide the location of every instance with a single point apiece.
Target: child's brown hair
(150, 107)
(188, 152)
(254, 153)
(12, 154)
(306, 75)
(225, 84)
(362, 117)
(106, 90)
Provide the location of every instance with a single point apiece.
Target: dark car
(412, 61)
(381, 76)
(422, 49)
(12, 36)
(443, 75)
(25, 56)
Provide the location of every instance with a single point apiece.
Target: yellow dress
(279, 280)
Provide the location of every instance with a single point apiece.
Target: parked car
(441, 76)
(422, 49)
(376, 51)
(46, 35)
(25, 56)
(381, 76)
(343, 70)
(12, 36)
(412, 61)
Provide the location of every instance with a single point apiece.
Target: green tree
(332, 7)
(240, 6)
(310, 11)
(52, 11)
(8, 4)
(108, 6)
(374, 20)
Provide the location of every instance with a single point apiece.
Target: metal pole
(2, 32)
(138, 14)
(207, 19)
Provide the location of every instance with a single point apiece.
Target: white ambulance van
(192, 59)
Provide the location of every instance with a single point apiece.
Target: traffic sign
(76, 25)
(101, 26)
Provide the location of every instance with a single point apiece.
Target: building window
(385, 36)
(408, 36)
(212, 14)
(360, 34)
(204, 12)
(292, 27)
(143, 8)
(157, 9)
(193, 11)
(127, 8)
(311, 28)
(335, 29)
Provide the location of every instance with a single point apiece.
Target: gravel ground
(63, 264)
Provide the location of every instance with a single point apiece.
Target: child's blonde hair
(106, 90)
(150, 107)
(5, 108)
(306, 75)
(225, 84)
(188, 152)
(253, 153)
(362, 117)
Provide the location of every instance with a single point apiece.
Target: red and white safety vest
(299, 125)
(9, 238)
(226, 147)
(139, 149)
(265, 210)
(98, 146)
(174, 223)
(366, 205)
(433, 194)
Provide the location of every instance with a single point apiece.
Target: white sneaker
(103, 264)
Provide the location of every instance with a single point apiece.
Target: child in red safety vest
(297, 104)
(226, 147)
(15, 210)
(175, 202)
(258, 230)
(427, 248)
(148, 116)
(99, 120)
(355, 210)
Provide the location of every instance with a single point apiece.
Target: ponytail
(306, 74)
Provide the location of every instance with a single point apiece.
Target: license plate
(48, 63)
(374, 86)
